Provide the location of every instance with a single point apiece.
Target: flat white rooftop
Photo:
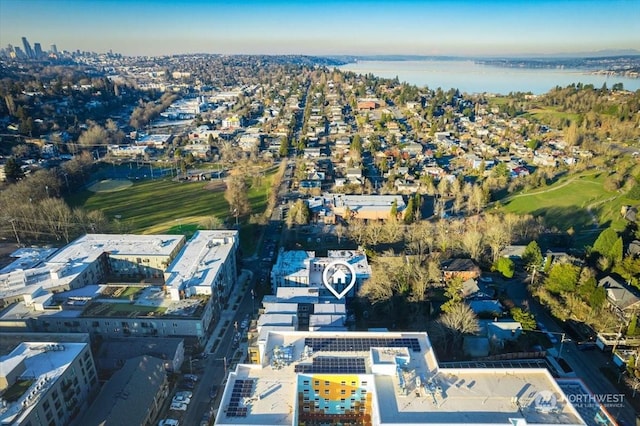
(394, 379)
(44, 363)
(66, 264)
(199, 262)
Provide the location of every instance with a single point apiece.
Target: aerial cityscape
(353, 212)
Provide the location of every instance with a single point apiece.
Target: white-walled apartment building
(387, 378)
(122, 285)
(46, 383)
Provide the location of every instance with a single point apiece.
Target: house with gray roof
(623, 299)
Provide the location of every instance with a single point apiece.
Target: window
(46, 405)
(326, 383)
(353, 391)
(317, 382)
(326, 391)
(306, 382)
(364, 383)
(343, 392)
(343, 383)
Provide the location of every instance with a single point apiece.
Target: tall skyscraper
(28, 51)
(54, 49)
(38, 50)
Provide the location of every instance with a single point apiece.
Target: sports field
(169, 206)
(110, 185)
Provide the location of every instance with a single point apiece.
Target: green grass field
(166, 206)
(549, 115)
(566, 204)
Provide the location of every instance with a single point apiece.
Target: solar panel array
(360, 344)
(241, 389)
(322, 365)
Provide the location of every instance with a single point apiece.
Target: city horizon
(493, 28)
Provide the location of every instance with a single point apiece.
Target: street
(586, 365)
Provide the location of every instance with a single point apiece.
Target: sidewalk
(229, 313)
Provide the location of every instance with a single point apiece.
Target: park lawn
(150, 203)
(549, 114)
(166, 206)
(565, 204)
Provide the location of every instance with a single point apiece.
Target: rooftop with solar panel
(382, 378)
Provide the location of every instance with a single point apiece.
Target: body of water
(467, 76)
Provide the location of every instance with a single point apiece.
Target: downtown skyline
(353, 27)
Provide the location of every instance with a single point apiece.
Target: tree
(283, 151)
(505, 266)
(460, 320)
(409, 212)
(525, 318)
(298, 214)
(562, 278)
(12, 170)
(94, 136)
(471, 243)
(356, 147)
(532, 256)
(453, 292)
(393, 214)
(236, 196)
(213, 222)
(604, 243)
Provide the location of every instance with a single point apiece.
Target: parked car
(169, 422)
(185, 393)
(191, 377)
(213, 392)
(178, 406)
(181, 399)
(187, 384)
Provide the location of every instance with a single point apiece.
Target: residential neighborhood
(295, 221)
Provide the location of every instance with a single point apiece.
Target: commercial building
(366, 207)
(382, 378)
(46, 383)
(123, 286)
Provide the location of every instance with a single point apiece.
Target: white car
(181, 399)
(178, 406)
(169, 422)
(186, 394)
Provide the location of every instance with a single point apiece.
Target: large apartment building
(46, 383)
(384, 378)
(122, 285)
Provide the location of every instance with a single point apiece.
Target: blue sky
(427, 27)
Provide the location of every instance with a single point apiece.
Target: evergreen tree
(409, 213)
(532, 256)
(12, 170)
(393, 214)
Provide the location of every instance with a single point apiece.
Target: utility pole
(15, 232)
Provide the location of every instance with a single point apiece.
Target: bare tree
(94, 136)
(213, 222)
(358, 231)
(496, 235)
(236, 195)
(471, 244)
